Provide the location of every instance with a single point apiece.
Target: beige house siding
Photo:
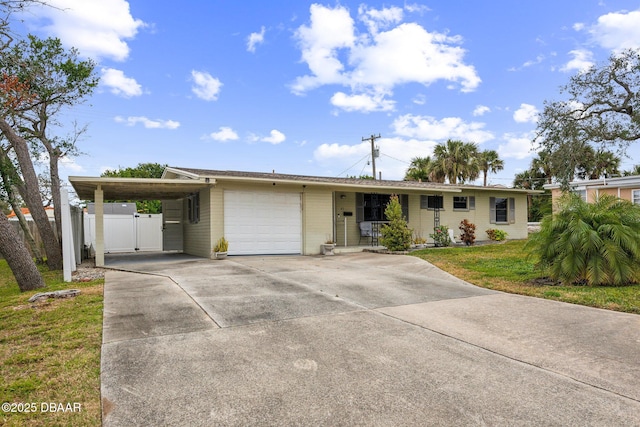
(317, 219)
(316, 203)
(346, 202)
(197, 236)
(421, 221)
(216, 207)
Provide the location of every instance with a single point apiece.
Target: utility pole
(374, 152)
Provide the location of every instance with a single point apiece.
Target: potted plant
(327, 247)
(220, 249)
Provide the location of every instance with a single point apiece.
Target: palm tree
(634, 171)
(606, 164)
(489, 161)
(456, 161)
(542, 165)
(594, 243)
(418, 169)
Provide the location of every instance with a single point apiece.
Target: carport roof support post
(99, 206)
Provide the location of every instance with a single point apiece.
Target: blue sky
(294, 86)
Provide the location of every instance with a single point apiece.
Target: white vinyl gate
(126, 232)
(262, 222)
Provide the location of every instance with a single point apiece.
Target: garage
(262, 222)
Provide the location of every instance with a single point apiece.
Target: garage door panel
(262, 222)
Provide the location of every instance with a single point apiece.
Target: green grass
(507, 267)
(50, 352)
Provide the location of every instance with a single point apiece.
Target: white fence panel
(126, 233)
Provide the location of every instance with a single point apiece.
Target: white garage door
(261, 223)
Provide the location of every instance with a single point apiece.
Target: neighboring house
(625, 187)
(27, 215)
(272, 213)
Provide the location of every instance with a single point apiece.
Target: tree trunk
(14, 251)
(32, 196)
(28, 236)
(10, 185)
(55, 189)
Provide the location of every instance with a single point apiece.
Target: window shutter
(404, 201)
(512, 210)
(492, 210)
(359, 207)
(472, 202)
(424, 202)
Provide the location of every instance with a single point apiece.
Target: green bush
(496, 234)
(440, 236)
(396, 235)
(590, 243)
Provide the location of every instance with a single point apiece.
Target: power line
(402, 161)
(351, 167)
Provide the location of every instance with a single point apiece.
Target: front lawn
(506, 267)
(50, 354)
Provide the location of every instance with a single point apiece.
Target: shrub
(440, 236)
(396, 235)
(467, 232)
(590, 243)
(496, 234)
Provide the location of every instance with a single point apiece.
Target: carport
(100, 189)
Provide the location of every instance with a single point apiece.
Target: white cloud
(582, 61)
(517, 146)
(396, 154)
(97, 28)
(255, 39)
(481, 110)
(330, 30)
(419, 99)
(375, 61)
(275, 137)
(415, 7)
(362, 102)
(429, 128)
(617, 30)
(224, 134)
(205, 85)
(69, 164)
(148, 123)
(120, 84)
(527, 113)
(375, 19)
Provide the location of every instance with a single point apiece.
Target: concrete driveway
(357, 339)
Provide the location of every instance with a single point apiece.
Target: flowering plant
(440, 236)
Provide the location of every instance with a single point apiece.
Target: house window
(502, 210)
(635, 197)
(582, 193)
(431, 202)
(193, 205)
(464, 203)
(371, 206)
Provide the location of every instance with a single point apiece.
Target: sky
(293, 86)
